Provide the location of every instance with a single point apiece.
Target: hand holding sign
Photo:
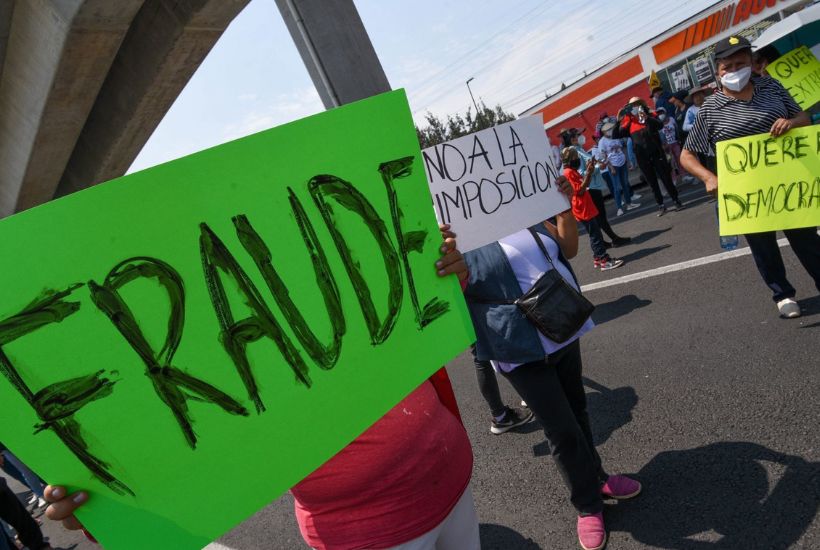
(452, 263)
(780, 127)
(62, 506)
(564, 186)
(711, 183)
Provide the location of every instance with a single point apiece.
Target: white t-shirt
(614, 151)
(528, 263)
(669, 132)
(599, 156)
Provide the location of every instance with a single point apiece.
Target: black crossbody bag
(556, 309)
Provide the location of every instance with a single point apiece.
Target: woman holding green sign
(747, 105)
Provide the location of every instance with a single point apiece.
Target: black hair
(680, 95)
(769, 53)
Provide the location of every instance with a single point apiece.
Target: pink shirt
(393, 483)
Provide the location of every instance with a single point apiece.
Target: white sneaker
(32, 500)
(620, 212)
(632, 206)
(611, 264)
(635, 196)
(788, 308)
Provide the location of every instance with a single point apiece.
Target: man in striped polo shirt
(744, 106)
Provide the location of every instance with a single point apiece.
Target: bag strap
(476, 300)
(541, 246)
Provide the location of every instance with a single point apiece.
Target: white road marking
(675, 267)
(217, 546)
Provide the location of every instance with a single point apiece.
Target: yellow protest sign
(767, 183)
(799, 72)
(654, 81)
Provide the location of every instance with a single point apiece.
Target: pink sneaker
(591, 531)
(620, 487)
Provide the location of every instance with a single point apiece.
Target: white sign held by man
(492, 183)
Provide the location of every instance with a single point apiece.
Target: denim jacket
(503, 333)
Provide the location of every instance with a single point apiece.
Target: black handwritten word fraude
(56, 404)
(514, 178)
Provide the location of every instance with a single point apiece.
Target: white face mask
(608, 133)
(662, 117)
(737, 80)
(635, 111)
(581, 140)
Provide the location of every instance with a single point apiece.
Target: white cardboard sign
(492, 183)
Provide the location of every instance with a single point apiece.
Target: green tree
(455, 126)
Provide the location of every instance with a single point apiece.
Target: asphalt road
(695, 386)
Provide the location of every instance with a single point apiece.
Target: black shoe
(607, 244)
(514, 418)
(621, 241)
(661, 211)
(679, 206)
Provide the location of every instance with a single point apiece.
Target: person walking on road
(636, 121)
(547, 374)
(747, 105)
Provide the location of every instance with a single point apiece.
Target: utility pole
(335, 49)
(477, 112)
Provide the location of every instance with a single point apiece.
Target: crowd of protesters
(426, 459)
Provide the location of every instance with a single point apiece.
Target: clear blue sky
(516, 50)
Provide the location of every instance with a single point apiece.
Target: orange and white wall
(610, 87)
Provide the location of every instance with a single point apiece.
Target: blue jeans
(608, 180)
(620, 180)
(596, 239)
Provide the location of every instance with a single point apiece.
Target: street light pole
(477, 113)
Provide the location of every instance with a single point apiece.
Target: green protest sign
(799, 72)
(767, 183)
(190, 341)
